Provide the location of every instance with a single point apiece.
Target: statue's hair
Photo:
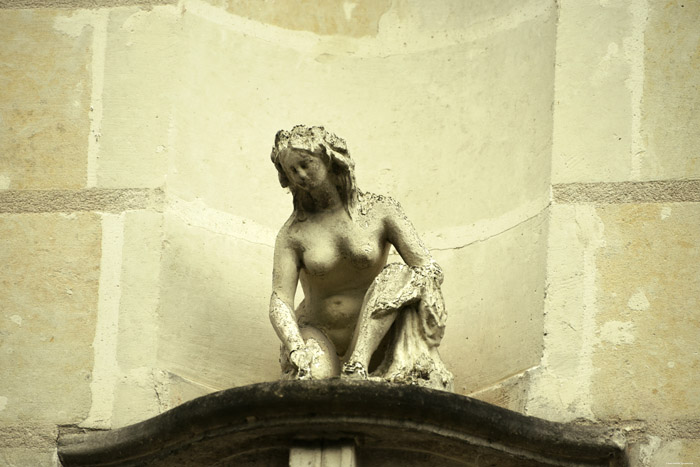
(330, 148)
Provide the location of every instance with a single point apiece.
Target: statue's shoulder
(286, 233)
(382, 205)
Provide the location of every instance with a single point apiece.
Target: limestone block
(449, 142)
(511, 393)
(456, 14)
(214, 326)
(655, 451)
(181, 390)
(28, 444)
(327, 17)
(560, 387)
(139, 394)
(593, 100)
(621, 314)
(140, 83)
(670, 121)
(140, 287)
(45, 80)
(142, 393)
(371, 18)
(141, 390)
(21, 456)
(648, 290)
(48, 288)
(494, 298)
(466, 120)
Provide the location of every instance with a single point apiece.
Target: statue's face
(304, 170)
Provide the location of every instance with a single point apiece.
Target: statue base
(342, 423)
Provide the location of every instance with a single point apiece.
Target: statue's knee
(325, 362)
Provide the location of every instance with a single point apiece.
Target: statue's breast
(320, 257)
(345, 250)
(362, 251)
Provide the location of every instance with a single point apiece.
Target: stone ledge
(665, 191)
(94, 199)
(16, 4)
(257, 424)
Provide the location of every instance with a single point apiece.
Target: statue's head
(329, 148)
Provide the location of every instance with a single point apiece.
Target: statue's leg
(325, 362)
(368, 335)
(391, 290)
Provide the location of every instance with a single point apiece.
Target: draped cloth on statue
(409, 351)
(411, 355)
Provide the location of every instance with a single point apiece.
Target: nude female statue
(359, 318)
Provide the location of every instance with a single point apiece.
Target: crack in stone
(479, 240)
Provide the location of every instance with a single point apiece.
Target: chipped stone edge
(662, 191)
(93, 199)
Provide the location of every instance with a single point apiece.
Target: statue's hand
(302, 359)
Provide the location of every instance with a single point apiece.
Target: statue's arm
(427, 274)
(285, 274)
(401, 233)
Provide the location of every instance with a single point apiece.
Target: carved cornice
(257, 424)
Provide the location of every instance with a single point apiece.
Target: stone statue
(360, 318)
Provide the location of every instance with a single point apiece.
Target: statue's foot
(353, 370)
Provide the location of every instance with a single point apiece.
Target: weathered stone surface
(68, 201)
(622, 301)
(560, 387)
(328, 17)
(140, 289)
(625, 95)
(669, 191)
(510, 393)
(661, 452)
(142, 390)
(141, 48)
(181, 390)
(401, 147)
(671, 122)
(28, 444)
(492, 331)
(593, 96)
(430, 427)
(138, 394)
(647, 324)
(213, 326)
(48, 288)
(45, 81)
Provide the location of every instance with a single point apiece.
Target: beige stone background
(548, 152)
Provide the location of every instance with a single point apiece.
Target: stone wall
(623, 270)
(80, 213)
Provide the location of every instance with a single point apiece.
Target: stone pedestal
(340, 423)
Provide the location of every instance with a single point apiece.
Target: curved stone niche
(390, 425)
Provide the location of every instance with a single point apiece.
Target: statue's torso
(340, 257)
